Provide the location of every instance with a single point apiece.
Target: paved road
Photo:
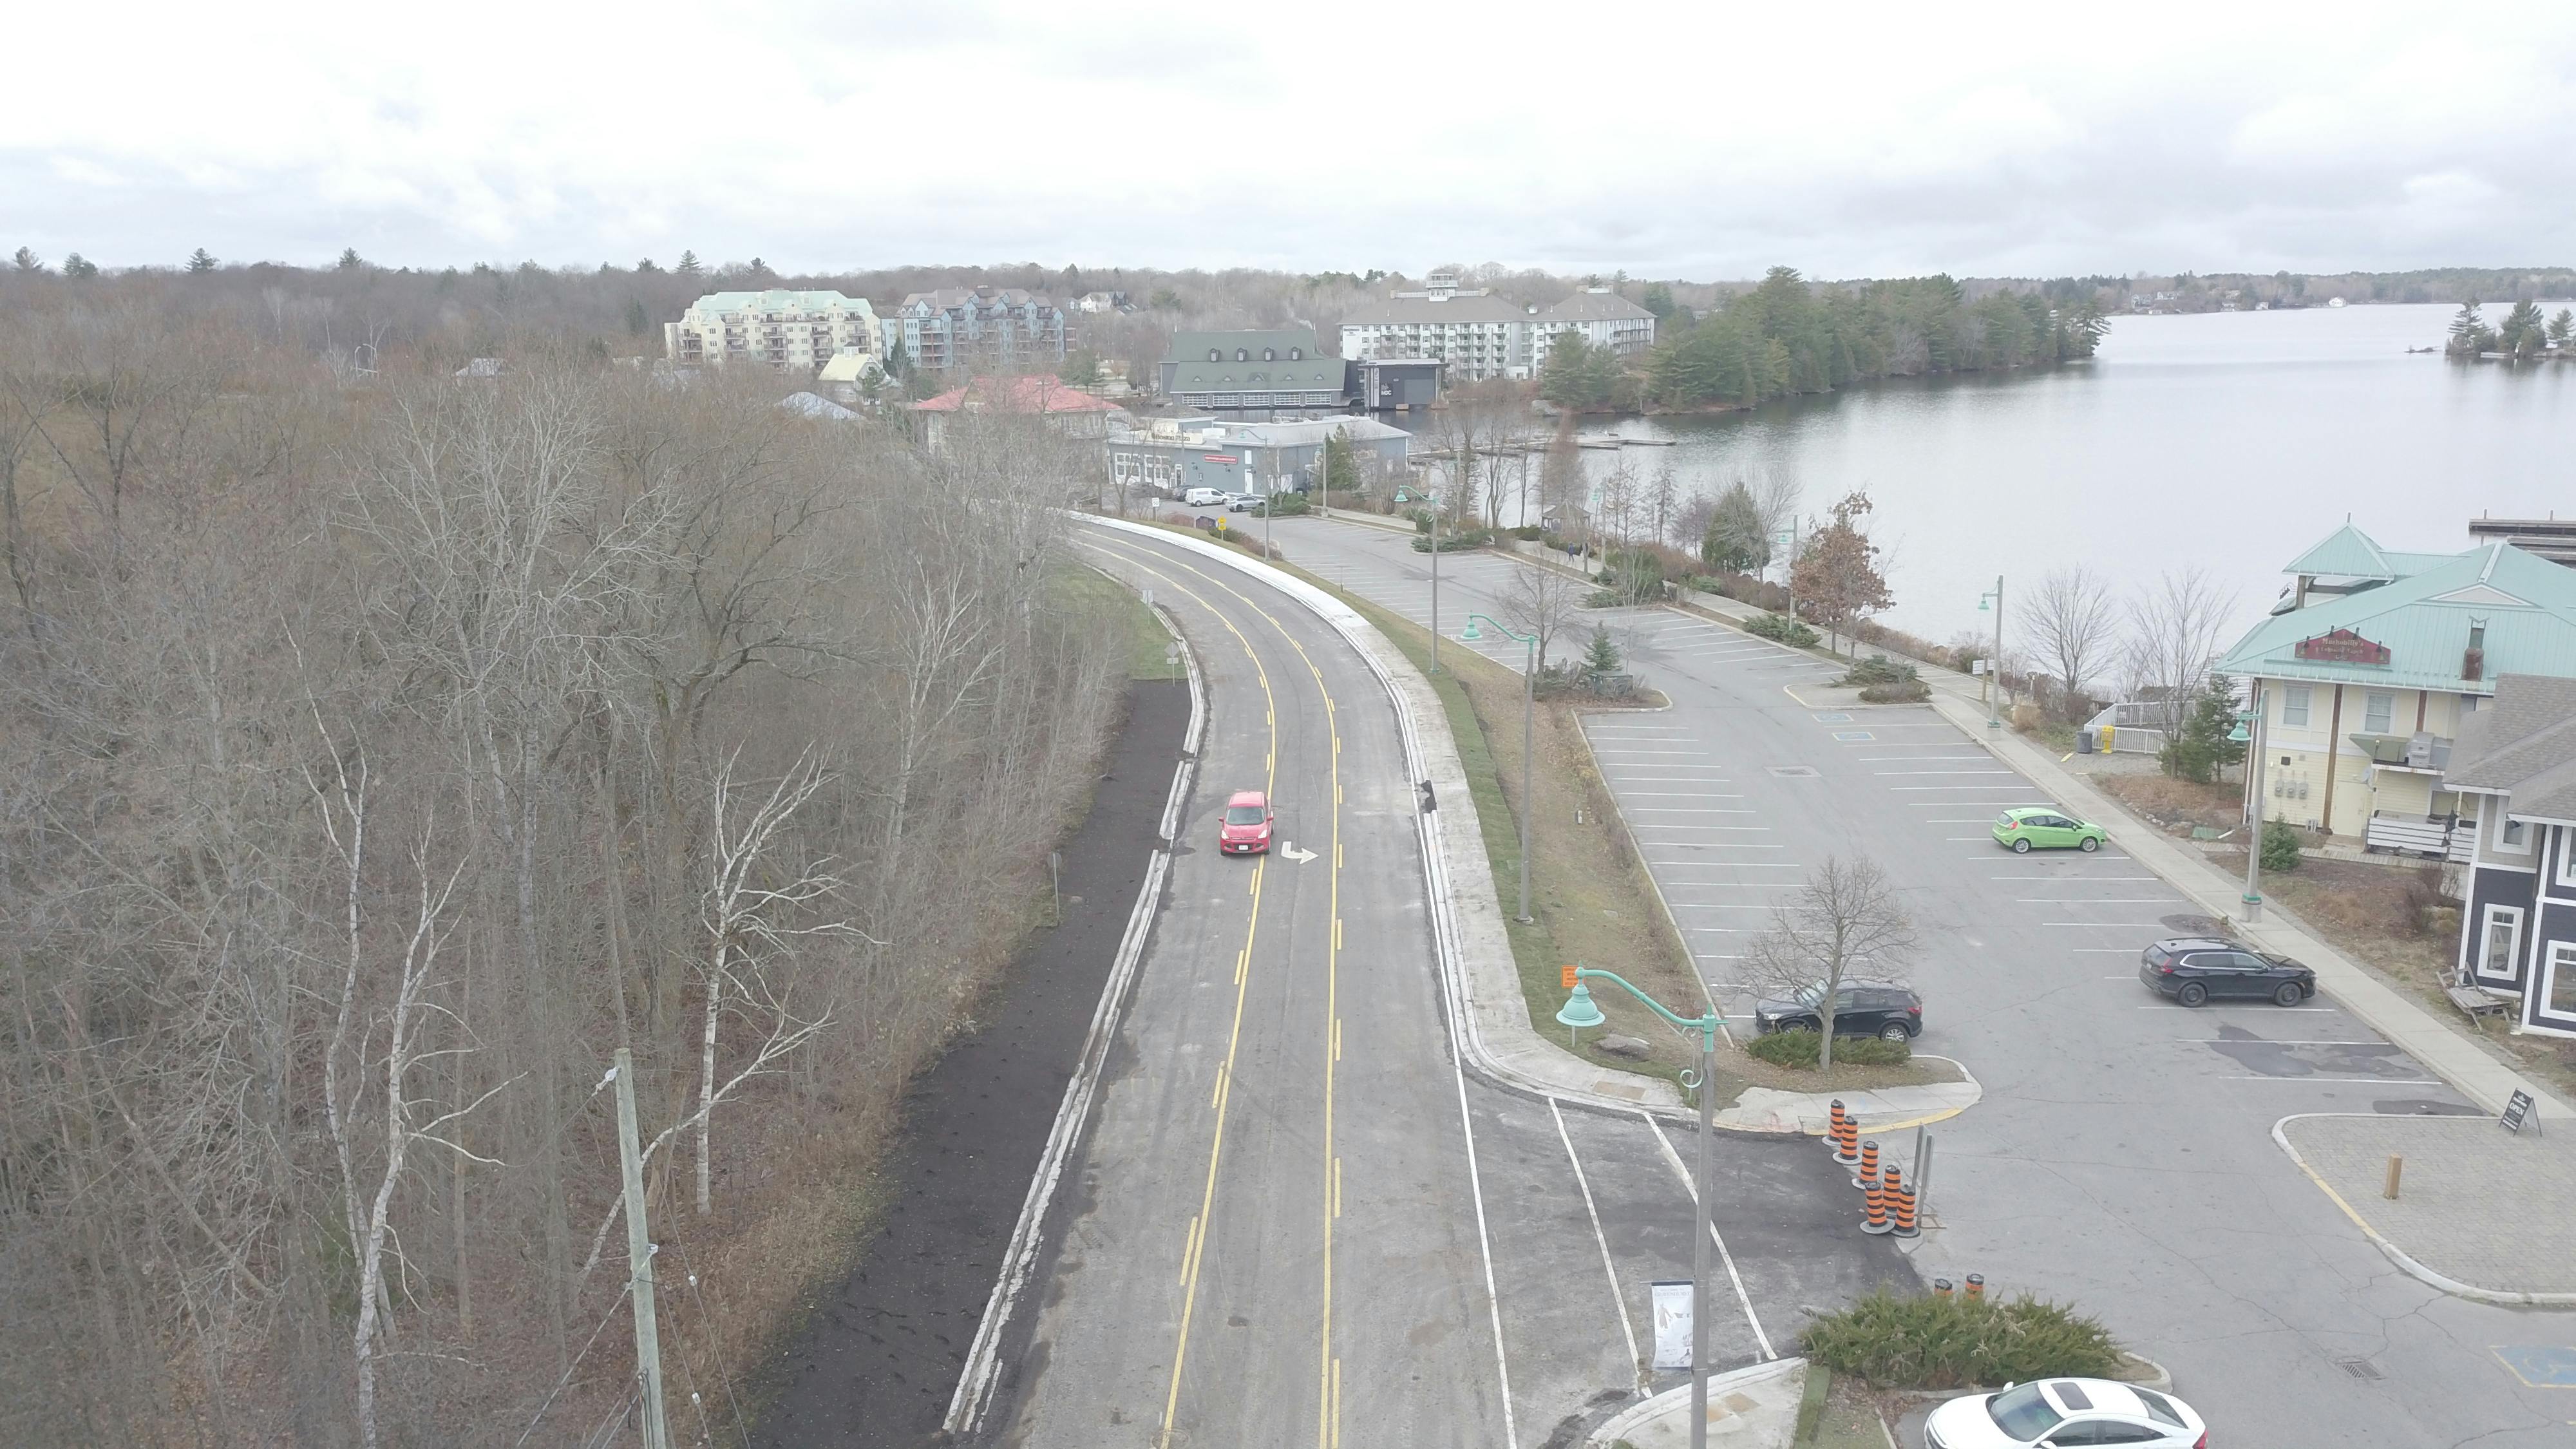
(2122, 1158)
(1296, 1220)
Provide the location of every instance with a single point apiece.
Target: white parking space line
(1709, 845)
(2269, 1041)
(1723, 865)
(2266, 1007)
(1940, 772)
(1675, 794)
(1643, 750)
(2105, 925)
(1711, 906)
(1681, 810)
(2072, 878)
(1917, 759)
(2370, 1081)
(1919, 789)
(1728, 829)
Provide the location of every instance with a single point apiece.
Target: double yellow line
(1328, 1421)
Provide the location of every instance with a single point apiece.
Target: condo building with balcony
(1476, 335)
(979, 329)
(779, 327)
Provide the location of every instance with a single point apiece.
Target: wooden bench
(2476, 1001)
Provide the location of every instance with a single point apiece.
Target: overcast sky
(1689, 139)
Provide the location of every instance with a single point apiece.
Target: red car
(1246, 828)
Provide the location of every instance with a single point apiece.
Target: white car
(1203, 498)
(1242, 502)
(2056, 1413)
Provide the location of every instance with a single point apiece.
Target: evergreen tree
(636, 320)
(1736, 542)
(2469, 334)
(646, 268)
(26, 260)
(1602, 657)
(1081, 369)
(79, 266)
(2561, 326)
(759, 271)
(350, 261)
(201, 261)
(2201, 749)
(689, 265)
(2522, 329)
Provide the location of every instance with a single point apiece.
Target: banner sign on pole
(1672, 1324)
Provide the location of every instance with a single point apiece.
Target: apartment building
(980, 329)
(785, 329)
(2371, 664)
(1476, 335)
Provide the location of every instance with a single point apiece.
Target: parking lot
(2122, 1157)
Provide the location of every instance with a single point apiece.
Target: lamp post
(1994, 666)
(2249, 733)
(1580, 1005)
(1529, 707)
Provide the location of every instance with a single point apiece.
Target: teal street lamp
(2249, 733)
(1707, 1024)
(1529, 708)
(1994, 666)
(1579, 1011)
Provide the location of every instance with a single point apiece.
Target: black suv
(1861, 1008)
(2195, 969)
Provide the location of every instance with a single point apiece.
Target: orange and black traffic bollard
(1940, 1287)
(1847, 1140)
(1976, 1286)
(1867, 1178)
(1875, 1208)
(1834, 1126)
(1903, 1208)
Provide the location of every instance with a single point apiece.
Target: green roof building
(1278, 368)
(2365, 669)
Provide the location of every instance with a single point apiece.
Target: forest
(381, 750)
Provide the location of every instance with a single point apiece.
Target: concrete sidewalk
(2478, 1210)
(1885, 1109)
(1751, 1408)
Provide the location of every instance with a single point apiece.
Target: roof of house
(2523, 745)
(849, 366)
(947, 297)
(2526, 604)
(1036, 393)
(1594, 307)
(780, 299)
(1313, 372)
(815, 405)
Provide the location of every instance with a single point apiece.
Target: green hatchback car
(2041, 827)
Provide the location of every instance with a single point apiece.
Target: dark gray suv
(2197, 969)
(1861, 1008)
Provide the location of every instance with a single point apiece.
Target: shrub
(1602, 599)
(1783, 629)
(1917, 1341)
(1289, 505)
(2280, 846)
(1798, 1050)
(1465, 538)
(1529, 533)
(1911, 691)
(1879, 669)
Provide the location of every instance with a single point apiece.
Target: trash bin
(2083, 742)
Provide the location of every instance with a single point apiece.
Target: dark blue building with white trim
(2517, 759)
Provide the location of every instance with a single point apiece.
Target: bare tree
(2177, 626)
(1663, 497)
(1845, 918)
(1542, 601)
(2071, 623)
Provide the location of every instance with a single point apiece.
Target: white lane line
(2073, 879)
(1674, 1159)
(2367, 1081)
(1723, 865)
(1675, 795)
(1914, 759)
(1618, 1303)
(2106, 925)
(1950, 787)
(1953, 820)
(2101, 951)
(1940, 772)
(1684, 810)
(1729, 829)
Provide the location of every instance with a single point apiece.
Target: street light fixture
(1994, 666)
(1706, 1024)
(1529, 708)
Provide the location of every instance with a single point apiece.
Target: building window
(2560, 997)
(2512, 836)
(1296, 354)
(2501, 945)
(1242, 355)
(1213, 355)
(2377, 707)
(2294, 705)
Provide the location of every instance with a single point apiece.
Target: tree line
(1787, 336)
(379, 751)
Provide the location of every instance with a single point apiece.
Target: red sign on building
(2342, 647)
(1218, 458)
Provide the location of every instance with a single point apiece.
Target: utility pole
(1702, 1211)
(1994, 666)
(2252, 900)
(1325, 472)
(1435, 583)
(639, 1258)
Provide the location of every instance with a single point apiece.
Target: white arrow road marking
(1289, 849)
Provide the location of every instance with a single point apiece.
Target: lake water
(2230, 440)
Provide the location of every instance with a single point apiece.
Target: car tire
(2021, 847)
(2288, 994)
(2089, 844)
(2191, 993)
(1894, 1031)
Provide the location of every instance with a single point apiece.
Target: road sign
(1569, 978)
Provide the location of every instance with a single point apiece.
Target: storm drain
(1795, 772)
(2360, 1368)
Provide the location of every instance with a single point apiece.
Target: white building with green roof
(2367, 666)
(781, 327)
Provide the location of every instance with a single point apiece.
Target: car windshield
(2022, 1413)
(2160, 1407)
(1243, 815)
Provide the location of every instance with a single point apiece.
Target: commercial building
(1477, 335)
(1175, 455)
(2517, 760)
(980, 329)
(1389, 383)
(2371, 664)
(1068, 410)
(1281, 368)
(785, 329)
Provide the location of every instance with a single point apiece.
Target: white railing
(2420, 835)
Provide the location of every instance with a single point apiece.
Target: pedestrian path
(1754, 1408)
(2479, 1211)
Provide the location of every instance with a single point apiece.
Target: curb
(1473, 1048)
(1619, 1425)
(2397, 1255)
(981, 1373)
